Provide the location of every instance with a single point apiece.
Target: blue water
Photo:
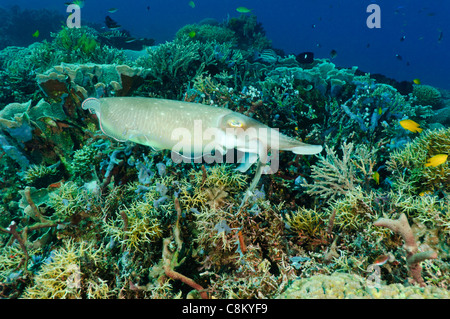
(296, 26)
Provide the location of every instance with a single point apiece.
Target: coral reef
(427, 95)
(85, 216)
(413, 258)
(348, 286)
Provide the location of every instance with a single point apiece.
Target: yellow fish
(36, 34)
(191, 34)
(376, 177)
(416, 81)
(243, 10)
(436, 160)
(410, 125)
(191, 4)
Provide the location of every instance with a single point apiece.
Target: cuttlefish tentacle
(191, 129)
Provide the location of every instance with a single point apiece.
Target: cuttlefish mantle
(190, 129)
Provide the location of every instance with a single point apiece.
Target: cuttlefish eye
(235, 123)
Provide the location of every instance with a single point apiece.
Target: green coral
(83, 160)
(207, 33)
(38, 174)
(426, 95)
(136, 227)
(175, 64)
(74, 39)
(71, 273)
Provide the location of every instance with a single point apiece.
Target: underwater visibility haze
(224, 149)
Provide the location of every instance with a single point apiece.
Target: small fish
(376, 177)
(243, 10)
(313, 26)
(267, 56)
(191, 34)
(425, 193)
(416, 81)
(191, 4)
(403, 38)
(380, 111)
(410, 125)
(305, 57)
(399, 57)
(441, 35)
(333, 54)
(436, 160)
(35, 34)
(381, 260)
(112, 10)
(130, 40)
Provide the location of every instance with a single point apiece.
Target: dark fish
(403, 38)
(305, 57)
(313, 26)
(441, 35)
(399, 57)
(111, 24)
(368, 45)
(333, 54)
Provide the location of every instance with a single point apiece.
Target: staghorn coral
(334, 176)
(70, 272)
(137, 226)
(410, 176)
(307, 223)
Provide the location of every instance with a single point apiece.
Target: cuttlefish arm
(190, 129)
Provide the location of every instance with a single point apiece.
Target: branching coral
(413, 256)
(174, 64)
(410, 175)
(334, 176)
(70, 272)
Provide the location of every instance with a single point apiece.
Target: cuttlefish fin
(304, 149)
(247, 161)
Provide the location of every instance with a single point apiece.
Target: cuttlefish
(190, 129)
